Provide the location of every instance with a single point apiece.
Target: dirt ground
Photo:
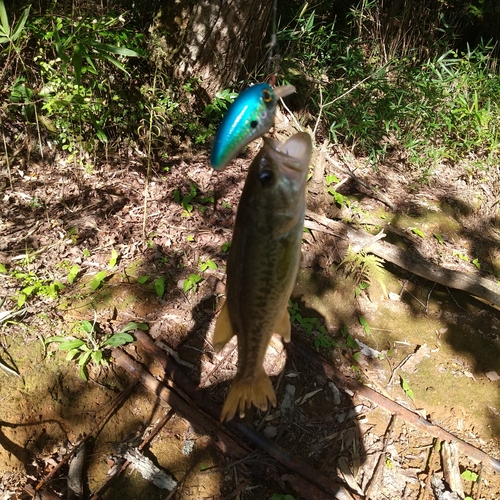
(430, 348)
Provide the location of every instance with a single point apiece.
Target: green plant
(187, 202)
(78, 65)
(160, 286)
(209, 264)
(216, 109)
(281, 496)
(312, 327)
(12, 35)
(186, 199)
(373, 97)
(362, 285)
(114, 258)
(98, 280)
(364, 324)
(406, 387)
(338, 197)
(73, 273)
(349, 339)
(469, 475)
(31, 284)
(92, 349)
(365, 268)
(439, 238)
(191, 282)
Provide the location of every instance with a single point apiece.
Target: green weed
(83, 351)
(31, 284)
(312, 327)
(365, 268)
(444, 108)
(98, 280)
(406, 387)
(469, 475)
(209, 264)
(364, 324)
(281, 496)
(191, 282)
(160, 286)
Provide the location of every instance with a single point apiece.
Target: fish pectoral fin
(283, 326)
(245, 392)
(223, 331)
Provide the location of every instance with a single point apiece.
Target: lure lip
(283, 91)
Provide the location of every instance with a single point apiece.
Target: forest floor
(430, 348)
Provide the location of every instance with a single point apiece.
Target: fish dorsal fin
(283, 326)
(223, 331)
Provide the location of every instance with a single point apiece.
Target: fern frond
(365, 267)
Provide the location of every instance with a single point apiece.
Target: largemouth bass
(250, 116)
(262, 266)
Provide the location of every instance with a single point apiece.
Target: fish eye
(254, 123)
(267, 96)
(266, 177)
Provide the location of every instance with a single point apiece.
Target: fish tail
(245, 392)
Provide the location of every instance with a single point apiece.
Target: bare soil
(444, 344)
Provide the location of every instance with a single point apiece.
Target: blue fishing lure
(249, 117)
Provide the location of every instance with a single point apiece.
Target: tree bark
(220, 41)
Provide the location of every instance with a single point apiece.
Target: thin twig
(376, 194)
(297, 124)
(429, 297)
(354, 87)
(6, 156)
(148, 170)
(319, 114)
(431, 464)
(378, 472)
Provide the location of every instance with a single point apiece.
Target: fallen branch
(376, 482)
(431, 465)
(413, 262)
(290, 461)
(202, 421)
(391, 406)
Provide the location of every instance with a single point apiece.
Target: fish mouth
(283, 91)
(294, 154)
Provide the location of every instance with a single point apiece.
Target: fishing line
(273, 44)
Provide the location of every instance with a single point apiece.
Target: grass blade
(4, 19)
(113, 49)
(20, 25)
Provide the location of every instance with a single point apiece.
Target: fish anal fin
(245, 392)
(283, 326)
(223, 331)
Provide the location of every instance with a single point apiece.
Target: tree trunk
(219, 41)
